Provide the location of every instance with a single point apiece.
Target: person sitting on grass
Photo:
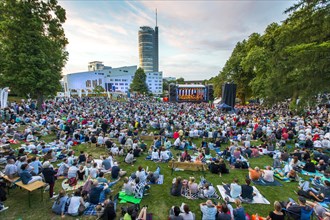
(128, 186)
(187, 214)
(208, 191)
(154, 176)
(130, 157)
(155, 155)
(309, 166)
(176, 189)
(268, 174)
(208, 210)
(175, 213)
(164, 155)
(59, 205)
(98, 192)
(277, 214)
(233, 190)
(116, 171)
(26, 176)
(247, 191)
(223, 212)
(75, 202)
(64, 168)
(193, 188)
(239, 212)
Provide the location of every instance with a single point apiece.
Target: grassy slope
(159, 200)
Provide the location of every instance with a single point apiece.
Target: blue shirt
(208, 212)
(59, 206)
(35, 164)
(107, 164)
(239, 213)
(25, 176)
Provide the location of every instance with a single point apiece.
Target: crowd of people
(117, 126)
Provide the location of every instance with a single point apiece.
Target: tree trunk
(40, 101)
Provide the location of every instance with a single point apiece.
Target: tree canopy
(32, 47)
(289, 61)
(139, 82)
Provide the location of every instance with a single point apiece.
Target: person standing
(49, 175)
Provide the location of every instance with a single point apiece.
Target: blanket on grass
(127, 198)
(264, 183)
(66, 186)
(317, 173)
(90, 210)
(257, 199)
(160, 180)
(282, 178)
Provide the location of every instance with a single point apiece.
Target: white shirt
(177, 142)
(74, 205)
(154, 156)
(188, 216)
(164, 155)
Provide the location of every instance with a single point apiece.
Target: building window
(94, 83)
(100, 82)
(88, 83)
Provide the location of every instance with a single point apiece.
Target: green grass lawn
(159, 199)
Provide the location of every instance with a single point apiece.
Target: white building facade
(111, 79)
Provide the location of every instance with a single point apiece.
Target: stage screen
(191, 93)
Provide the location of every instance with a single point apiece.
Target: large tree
(139, 84)
(32, 47)
(289, 61)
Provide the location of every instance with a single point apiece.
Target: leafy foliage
(32, 47)
(289, 61)
(139, 82)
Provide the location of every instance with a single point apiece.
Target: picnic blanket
(90, 210)
(264, 183)
(66, 186)
(160, 180)
(126, 198)
(257, 199)
(317, 173)
(282, 178)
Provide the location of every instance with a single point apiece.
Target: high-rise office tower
(148, 48)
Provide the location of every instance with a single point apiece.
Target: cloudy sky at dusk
(195, 37)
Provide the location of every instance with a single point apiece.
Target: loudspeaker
(229, 94)
(210, 92)
(172, 92)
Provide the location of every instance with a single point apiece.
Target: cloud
(196, 37)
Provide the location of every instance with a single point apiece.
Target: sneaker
(4, 208)
(54, 196)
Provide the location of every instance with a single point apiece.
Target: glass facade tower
(148, 49)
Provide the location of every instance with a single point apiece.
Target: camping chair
(304, 214)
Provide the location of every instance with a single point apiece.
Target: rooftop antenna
(156, 17)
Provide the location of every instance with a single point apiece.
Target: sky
(196, 38)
